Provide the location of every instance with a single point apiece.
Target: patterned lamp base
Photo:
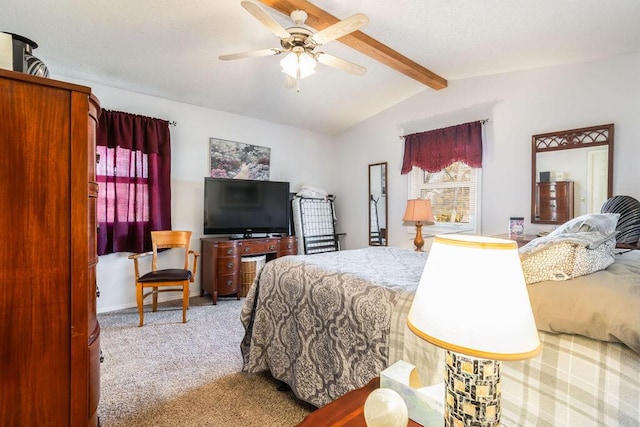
(472, 396)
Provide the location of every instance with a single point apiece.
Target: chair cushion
(167, 275)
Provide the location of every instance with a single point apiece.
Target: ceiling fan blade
(341, 64)
(251, 54)
(341, 28)
(266, 19)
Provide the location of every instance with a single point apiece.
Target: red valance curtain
(134, 178)
(436, 149)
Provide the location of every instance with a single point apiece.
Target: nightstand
(346, 411)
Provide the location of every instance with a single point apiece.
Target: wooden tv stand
(221, 261)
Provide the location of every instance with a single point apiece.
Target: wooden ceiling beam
(319, 19)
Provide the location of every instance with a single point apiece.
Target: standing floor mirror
(378, 204)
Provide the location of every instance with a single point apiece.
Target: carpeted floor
(172, 374)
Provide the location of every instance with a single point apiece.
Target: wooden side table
(346, 411)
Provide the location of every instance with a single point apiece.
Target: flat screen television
(234, 206)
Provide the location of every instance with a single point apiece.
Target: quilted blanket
(322, 323)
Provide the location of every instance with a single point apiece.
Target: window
(134, 181)
(454, 193)
(123, 177)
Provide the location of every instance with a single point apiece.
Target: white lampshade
(472, 299)
(305, 62)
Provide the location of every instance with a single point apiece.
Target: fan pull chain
(298, 76)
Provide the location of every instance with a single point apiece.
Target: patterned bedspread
(327, 323)
(321, 323)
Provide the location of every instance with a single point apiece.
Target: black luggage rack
(315, 226)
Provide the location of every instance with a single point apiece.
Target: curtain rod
(483, 121)
(171, 122)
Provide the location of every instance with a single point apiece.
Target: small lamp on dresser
(472, 301)
(418, 211)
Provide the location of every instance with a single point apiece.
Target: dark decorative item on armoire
(23, 59)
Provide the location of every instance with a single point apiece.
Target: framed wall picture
(516, 226)
(236, 160)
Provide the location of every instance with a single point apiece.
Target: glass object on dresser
(378, 204)
(571, 173)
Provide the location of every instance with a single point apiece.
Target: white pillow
(604, 222)
(310, 191)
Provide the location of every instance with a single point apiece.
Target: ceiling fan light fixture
(294, 62)
(298, 43)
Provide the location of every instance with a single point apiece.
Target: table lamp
(418, 211)
(472, 301)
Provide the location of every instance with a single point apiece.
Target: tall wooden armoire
(49, 333)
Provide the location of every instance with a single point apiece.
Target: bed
(328, 323)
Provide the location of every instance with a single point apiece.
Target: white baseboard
(161, 298)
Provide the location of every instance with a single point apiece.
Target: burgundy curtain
(436, 149)
(134, 178)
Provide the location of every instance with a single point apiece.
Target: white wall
(297, 156)
(518, 104)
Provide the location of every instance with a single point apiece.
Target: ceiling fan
(299, 42)
(320, 19)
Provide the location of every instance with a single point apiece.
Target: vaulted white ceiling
(170, 49)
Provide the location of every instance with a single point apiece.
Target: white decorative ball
(385, 408)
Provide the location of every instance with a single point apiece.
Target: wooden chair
(177, 279)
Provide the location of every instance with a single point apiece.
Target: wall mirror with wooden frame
(378, 204)
(571, 173)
